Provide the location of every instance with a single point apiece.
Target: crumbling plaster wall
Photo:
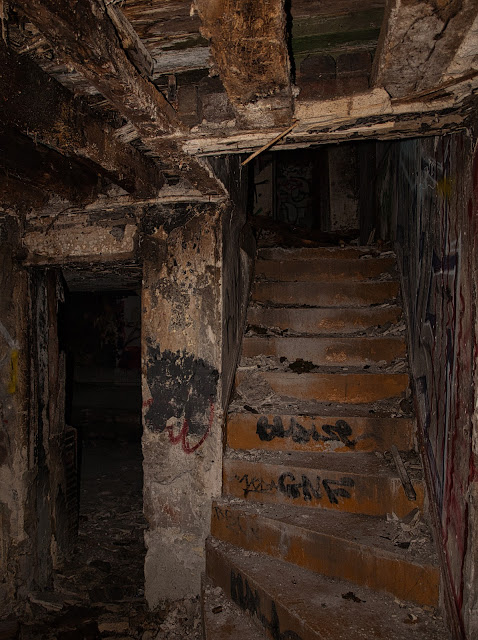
(34, 527)
(197, 263)
(16, 560)
(426, 193)
(190, 283)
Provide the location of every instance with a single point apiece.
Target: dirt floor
(99, 593)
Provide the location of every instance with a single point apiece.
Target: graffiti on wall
(183, 390)
(431, 197)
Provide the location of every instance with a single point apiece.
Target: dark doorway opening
(99, 332)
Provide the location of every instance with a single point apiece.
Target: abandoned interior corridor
(238, 282)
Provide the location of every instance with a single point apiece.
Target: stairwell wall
(427, 190)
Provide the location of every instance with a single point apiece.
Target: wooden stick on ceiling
(268, 145)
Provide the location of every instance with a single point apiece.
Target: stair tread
(358, 529)
(331, 351)
(342, 294)
(307, 253)
(323, 269)
(312, 605)
(361, 463)
(335, 386)
(323, 320)
(224, 620)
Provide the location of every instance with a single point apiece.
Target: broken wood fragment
(268, 145)
(402, 472)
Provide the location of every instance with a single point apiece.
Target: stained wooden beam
(134, 47)
(420, 40)
(84, 37)
(41, 107)
(249, 45)
(42, 169)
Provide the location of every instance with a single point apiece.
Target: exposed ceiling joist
(132, 44)
(85, 38)
(419, 42)
(42, 108)
(362, 116)
(249, 46)
(45, 169)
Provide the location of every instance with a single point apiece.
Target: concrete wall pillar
(182, 440)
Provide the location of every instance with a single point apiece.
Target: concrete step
(325, 294)
(355, 351)
(348, 388)
(329, 321)
(361, 483)
(326, 270)
(314, 253)
(318, 433)
(222, 619)
(338, 545)
(295, 604)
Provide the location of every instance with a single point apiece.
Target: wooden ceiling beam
(419, 41)
(85, 38)
(42, 108)
(43, 171)
(248, 42)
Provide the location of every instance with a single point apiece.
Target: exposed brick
(329, 88)
(353, 64)
(314, 67)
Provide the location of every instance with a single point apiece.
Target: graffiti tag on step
(232, 520)
(303, 489)
(248, 599)
(339, 432)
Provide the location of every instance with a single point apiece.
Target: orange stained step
(323, 320)
(356, 484)
(325, 270)
(294, 603)
(327, 351)
(349, 388)
(342, 545)
(325, 294)
(318, 433)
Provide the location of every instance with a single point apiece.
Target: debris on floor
(99, 591)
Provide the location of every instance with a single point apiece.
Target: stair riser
(313, 294)
(255, 600)
(316, 321)
(327, 351)
(330, 433)
(327, 555)
(333, 387)
(317, 488)
(324, 270)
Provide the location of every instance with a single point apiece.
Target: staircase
(315, 536)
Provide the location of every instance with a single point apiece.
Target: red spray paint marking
(183, 434)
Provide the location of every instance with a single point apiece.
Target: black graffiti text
(300, 487)
(248, 599)
(339, 432)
